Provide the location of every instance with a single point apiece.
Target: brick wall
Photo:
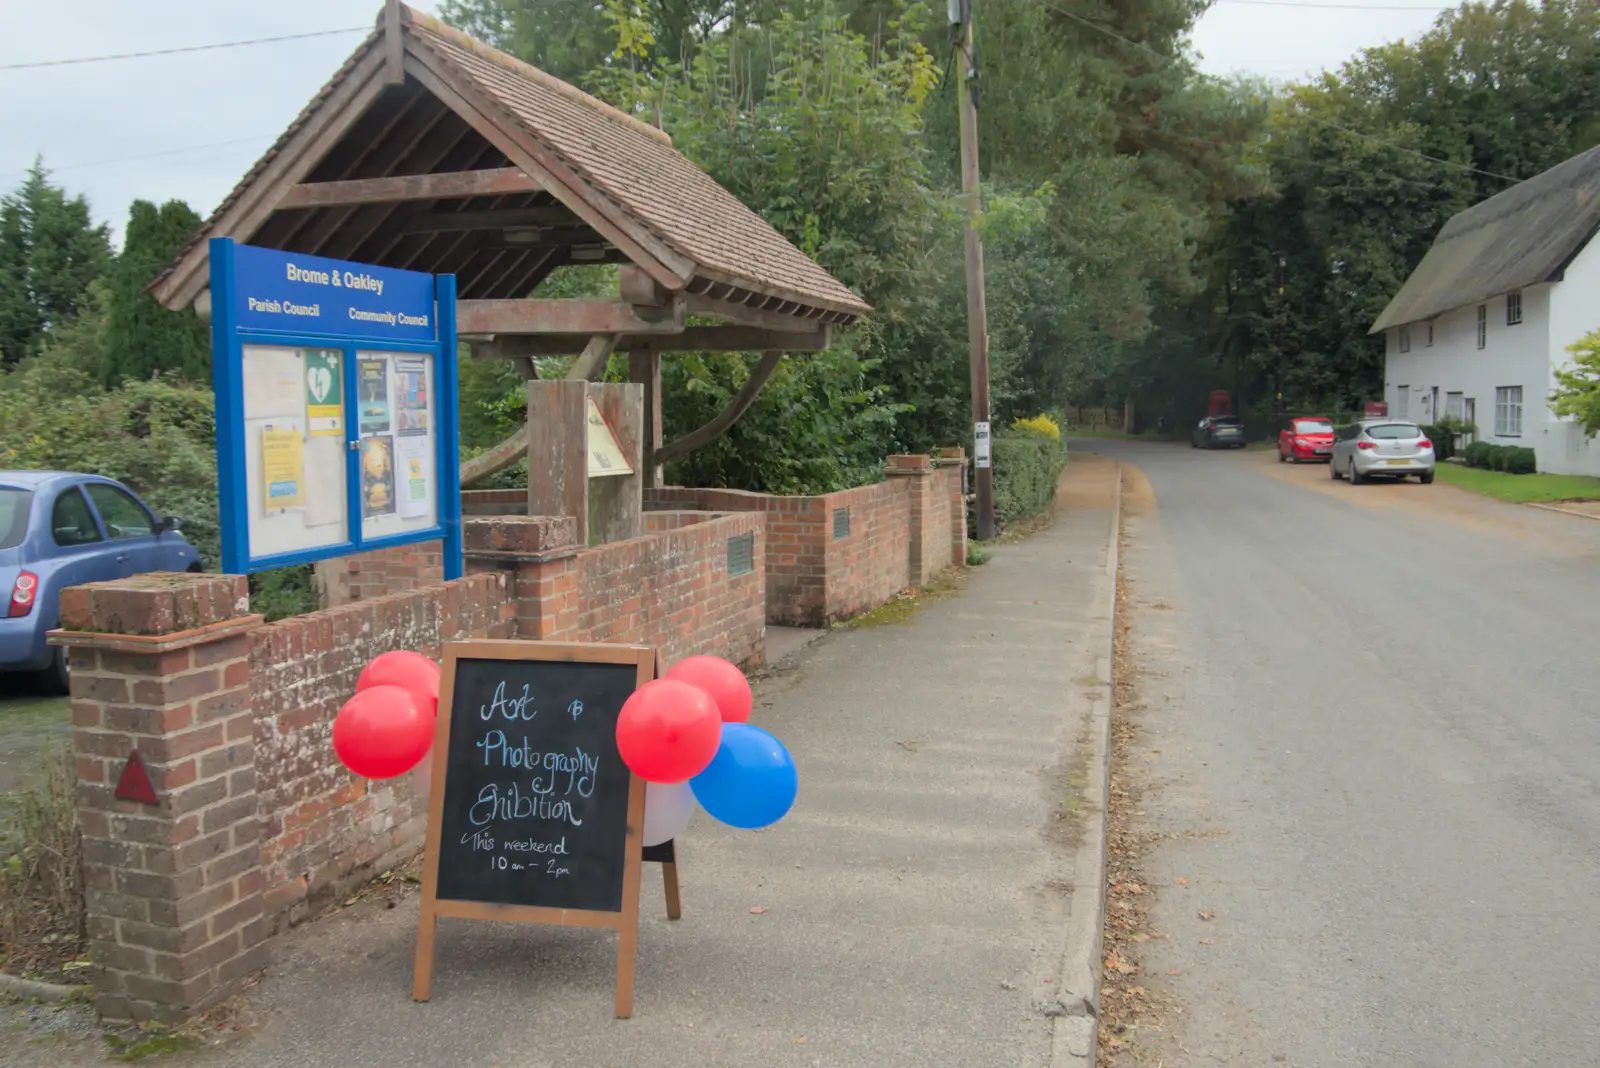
(673, 590)
(363, 576)
(902, 531)
(872, 562)
(322, 829)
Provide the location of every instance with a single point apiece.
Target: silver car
(1381, 448)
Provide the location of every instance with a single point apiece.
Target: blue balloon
(751, 782)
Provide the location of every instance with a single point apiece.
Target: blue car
(59, 530)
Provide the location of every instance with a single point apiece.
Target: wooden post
(977, 313)
(645, 368)
(558, 460)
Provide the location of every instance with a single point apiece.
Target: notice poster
(282, 469)
(325, 392)
(372, 395)
(412, 467)
(377, 476)
(411, 395)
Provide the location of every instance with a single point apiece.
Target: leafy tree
(50, 253)
(144, 338)
(1577, 392)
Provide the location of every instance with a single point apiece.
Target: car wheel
(55, 676)
(1333, 469)
(1426, 478)
(1356, 477)
(1281, 457)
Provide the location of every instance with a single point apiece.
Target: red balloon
(407, 670)
(380, 733)
(718, 677)
(668, 731)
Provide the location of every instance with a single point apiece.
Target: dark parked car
(58, 530)
(1218, 431)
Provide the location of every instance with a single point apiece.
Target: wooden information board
(533, 815)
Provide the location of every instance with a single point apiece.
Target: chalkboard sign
(533, 815)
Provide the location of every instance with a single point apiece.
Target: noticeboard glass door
(397, 423)
(296, 482)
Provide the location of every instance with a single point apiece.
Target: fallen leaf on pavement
(758, 910)
(1181, 882)
(1117, 963)
(1174, 971)
(1206, 914)
(1141, 937)
(1205, 941)
(800, 1041)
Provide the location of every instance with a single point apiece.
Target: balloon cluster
(688, 737)
(386, 729)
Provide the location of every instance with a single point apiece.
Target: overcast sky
(189, 126)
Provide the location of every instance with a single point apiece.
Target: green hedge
(1027, 468)
(1512, 459)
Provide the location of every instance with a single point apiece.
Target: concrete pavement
(913, 909)
(1369, 741)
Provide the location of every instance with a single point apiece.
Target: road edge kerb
(34, 990)
(1563, 511)
(1075, 1038)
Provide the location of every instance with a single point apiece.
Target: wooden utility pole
(977, 313)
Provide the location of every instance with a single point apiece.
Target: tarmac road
(1370, 723)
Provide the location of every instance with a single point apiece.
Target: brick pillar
(161, 665)
(953, 468)
(538, 555)
(917, 473)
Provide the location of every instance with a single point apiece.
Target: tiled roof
(644, 175)
(1522, 236)
(632, 166)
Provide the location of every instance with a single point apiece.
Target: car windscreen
(1394, 431)
(14, 507)
(1313, 426)
(1225, 420)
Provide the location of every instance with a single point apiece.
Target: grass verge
(1520, 489)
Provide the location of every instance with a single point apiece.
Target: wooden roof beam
(498, 181)
(587, 317)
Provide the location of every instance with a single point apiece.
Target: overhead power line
(189, 48)
(149, 155)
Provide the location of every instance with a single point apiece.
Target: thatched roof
(1525, 235)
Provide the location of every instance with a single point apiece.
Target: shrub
(1519, 460)
(1477, 454)
(1443, 437)
(1027, 467)
(1042, 425)
(1495, 457)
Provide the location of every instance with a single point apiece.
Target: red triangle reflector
(135, 782)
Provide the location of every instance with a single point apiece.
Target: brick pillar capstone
(917, 472)
(161, 664)
(538, 555)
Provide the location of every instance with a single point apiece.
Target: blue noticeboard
(336, 408)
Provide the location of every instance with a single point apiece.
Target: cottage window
(1402, 401)
(1483, 325)
(1508, 411)
(1405, 339)
(1514, 307)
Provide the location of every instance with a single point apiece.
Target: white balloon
(668, 807)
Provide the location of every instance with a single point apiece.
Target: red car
(1308, 438)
